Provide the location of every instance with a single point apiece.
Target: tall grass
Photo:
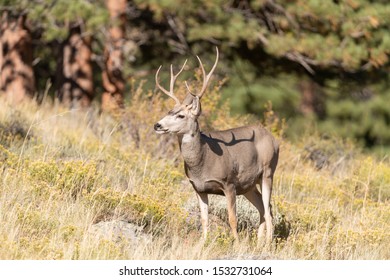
(63, 172)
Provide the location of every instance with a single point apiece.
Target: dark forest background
(320, 63)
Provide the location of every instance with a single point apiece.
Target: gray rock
(117, 231)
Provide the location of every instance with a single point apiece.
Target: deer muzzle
(159, 128)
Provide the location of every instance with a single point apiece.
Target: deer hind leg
(254, 197)
(204, 212)
(266, 190)
(232, 212)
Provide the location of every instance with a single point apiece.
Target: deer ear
(195, 106)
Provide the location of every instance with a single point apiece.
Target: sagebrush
(64, 171)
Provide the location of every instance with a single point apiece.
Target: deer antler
(206, 78)
(172, 83)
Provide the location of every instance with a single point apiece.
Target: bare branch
(304, 61)
(280, 9)
(183, 45)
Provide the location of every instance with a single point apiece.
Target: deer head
(183, 117)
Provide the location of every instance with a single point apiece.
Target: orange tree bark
(16, 72)
(311, 98)
(113, 82)
(74, 70)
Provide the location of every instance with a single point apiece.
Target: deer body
(231, 157)
(228, 163)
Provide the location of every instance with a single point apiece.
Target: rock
(117, 231)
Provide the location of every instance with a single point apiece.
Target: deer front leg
(231, 207)
(204, 212)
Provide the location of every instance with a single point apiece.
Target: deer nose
(157, 126)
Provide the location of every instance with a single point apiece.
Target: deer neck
(191, 146)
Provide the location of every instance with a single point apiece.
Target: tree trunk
(16, 72)
(311, 99)
(74, 70)
(113, 82)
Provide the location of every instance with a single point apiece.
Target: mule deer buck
(228, 163)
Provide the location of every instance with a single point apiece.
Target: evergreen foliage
(336, 52)
(53, 18)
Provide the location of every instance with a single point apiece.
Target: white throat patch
(187, 138)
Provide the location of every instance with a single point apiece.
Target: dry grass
(64, 171)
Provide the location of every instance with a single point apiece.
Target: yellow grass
(62, 172)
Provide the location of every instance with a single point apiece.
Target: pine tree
(64, 30)
(76, 23)
(307, 57)
(74, 70)
(16, 74)
(113, 82)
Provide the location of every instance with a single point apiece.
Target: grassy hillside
(64, 172)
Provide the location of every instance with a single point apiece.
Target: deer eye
(180, 116)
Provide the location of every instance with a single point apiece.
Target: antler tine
(172, 83)
(188, 88)
(206, 78)
(174, 77)
(157, 82)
